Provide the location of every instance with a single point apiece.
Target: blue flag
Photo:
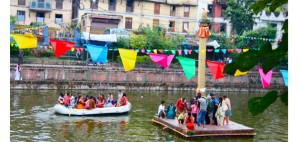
(285, 76)
(98, 53)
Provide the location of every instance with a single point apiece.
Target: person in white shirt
(120, 94)
(161, 110)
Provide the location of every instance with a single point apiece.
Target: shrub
(137, 41)
(121, 43)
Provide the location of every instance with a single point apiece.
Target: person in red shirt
(67, 99)
(123, 100)
(189, 121)
(180, 105)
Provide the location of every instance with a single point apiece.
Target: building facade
(52, 12)
(178, 16)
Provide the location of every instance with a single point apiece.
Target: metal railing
(40, 6)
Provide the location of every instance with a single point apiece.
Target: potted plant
(268, 12)
(277, 12)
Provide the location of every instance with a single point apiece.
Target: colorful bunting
(216, 68)
(161, 51)
(265, 78)
(137, 50)
(148, 50)
(25, 41)
(128, 58)
(217, 50)
(238, 50)
(98, 53)
(61, 47)
(224, 51)
(185, 51)
(197, 51)
(162, 59)
(179, 52)
(143, 50)
(209, 50)
(72, 49)
(190, 51)
(203, 51)
(166, 50)
(239, 73)
(189, 66)
(155, 51)
(45, 47)
(285, 76)
(173, 51)
(230, 50)
(245, 50)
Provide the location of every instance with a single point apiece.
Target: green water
(32, 118)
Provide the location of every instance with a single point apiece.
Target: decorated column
(203, 34)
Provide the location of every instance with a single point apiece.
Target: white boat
(61, 109)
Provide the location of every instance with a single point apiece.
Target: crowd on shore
(201, 110)
(91, 102)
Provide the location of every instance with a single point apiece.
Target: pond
(32, 118)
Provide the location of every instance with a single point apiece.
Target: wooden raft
(233, 129)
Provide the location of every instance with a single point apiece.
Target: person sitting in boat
(87, 102)
(161, 110)
(67, 99)
(61, 99)
(101, 102)
(189, 121)
(111, 102)
(80, 104)
(181, 118)
(86, 98)
(120, 95)
(72, 101)
(123, 101)
(171, 111)
(91, 103)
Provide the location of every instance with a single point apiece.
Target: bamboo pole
(201, 63)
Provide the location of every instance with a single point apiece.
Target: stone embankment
(90, 77)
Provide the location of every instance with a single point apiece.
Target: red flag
(216, 68)
(61, 47)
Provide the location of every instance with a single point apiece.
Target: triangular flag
(166, 50)
(216, 68)
(217, 50)
(25, 41)
(265, 78)
(190, 51)
(285, 76)
(179, 52)
(155, 51)
(114, 49)
(245, 50)
(173, 51)
(185, 51)
(98, 53)
(238, 50)
(189, 66)
(143, 50)
(161, 51)
(209, 50)
(61, 47)
(203, 51)
(197, 51)
(137, 50)
(148, 50)
(161, 59)
(239, 73)
(230, 50)
(128, 58)
(224, 51)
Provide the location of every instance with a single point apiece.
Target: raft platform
(233, 129)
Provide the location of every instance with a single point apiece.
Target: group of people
(91, 102)
(201, 110)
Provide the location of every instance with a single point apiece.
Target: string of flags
(253, 38)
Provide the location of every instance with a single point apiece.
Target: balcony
(40, 6)
(222, 2)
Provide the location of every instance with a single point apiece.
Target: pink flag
(238, 50)
(162, 59)
(190, 51)
(143, 50)
(179, 52)
(209, 50)
(230, 50)
(161, 51)
(265, 78)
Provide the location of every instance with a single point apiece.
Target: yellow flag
(155, 51)
(203, 51)
(128, 58)
(25, 41)
(238, 73)
(245, 50)
(72, 49)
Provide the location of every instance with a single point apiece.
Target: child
(194, 111)
(189, 121)
(181, 118)
(161, 110)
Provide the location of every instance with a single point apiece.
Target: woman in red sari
(189, 121)
(102, 101)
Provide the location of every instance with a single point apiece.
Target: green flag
(189, 66)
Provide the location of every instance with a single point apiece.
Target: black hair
(124, 94)
(183, 99)
(220, 100)
(162, 102)
(62, 94)
(120, 91)
(212, 94)
(189, 116)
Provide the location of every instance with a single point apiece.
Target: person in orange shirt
(80, 104)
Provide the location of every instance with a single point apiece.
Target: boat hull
(60, 109)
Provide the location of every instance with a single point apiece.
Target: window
(186, 11)
(128, 23)
(21, 2)
(210, 8)
(40, 17)
(58, 18)
(21, 15)
(94, 5)
(129, 6)
(223, 27)
(172, 10)
(172, 26)
(223, 11)
(155, 22)
(274, 25)
(157, 8)
(185, 27)
(112, 5)
(59, 4)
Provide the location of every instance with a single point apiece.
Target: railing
(40, 6)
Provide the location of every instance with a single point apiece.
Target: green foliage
(140, 60)
(13, 19)
(137, 41)
(176, 39)
(257, 105)
(41, 53)
(263, 32)
(121, 43)
(169, 45)
(191, 132)
(155, 38)
(222, 40)
(14, 49)
(261, 4)
(284, 98)
(239, 15)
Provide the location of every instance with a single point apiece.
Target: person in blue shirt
(216, 103)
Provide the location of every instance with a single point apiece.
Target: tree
(121, 43)
(155, 38)
(137, 41)
(266, 56)
(239, 15)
